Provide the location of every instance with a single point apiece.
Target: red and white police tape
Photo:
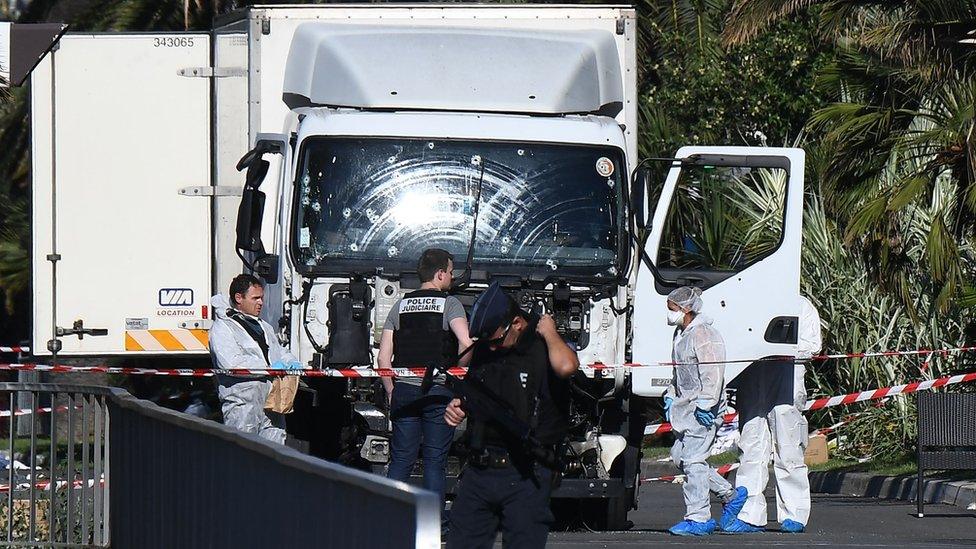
(851, 398)
(348, 372)
(838, 356)
(46, 485)
(592, 368)
(44, 410)
(14, 349)
(722, 470)
(729, 467)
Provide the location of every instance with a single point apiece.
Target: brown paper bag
(281, 399)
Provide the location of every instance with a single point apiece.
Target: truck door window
(721, 220)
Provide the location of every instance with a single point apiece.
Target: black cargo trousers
(489, 498)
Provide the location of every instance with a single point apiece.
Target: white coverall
(242, 398)
(781, 434)
(694, 386)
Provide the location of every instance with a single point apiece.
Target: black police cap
(491, 311)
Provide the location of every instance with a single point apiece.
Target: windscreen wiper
(465, 277)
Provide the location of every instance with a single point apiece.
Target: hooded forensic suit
(698, 380)
(780, 433)
(242, 398)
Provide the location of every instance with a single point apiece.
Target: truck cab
(538, 203)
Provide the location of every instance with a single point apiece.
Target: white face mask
(675, 318)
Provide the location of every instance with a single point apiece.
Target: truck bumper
(591, 488)
(569, 488)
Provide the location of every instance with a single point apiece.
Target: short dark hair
(431, 261)
(241, 284)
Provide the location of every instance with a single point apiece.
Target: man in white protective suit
(780, 434)
(695, 404)
(240, 339)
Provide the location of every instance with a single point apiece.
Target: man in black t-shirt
(525, 363)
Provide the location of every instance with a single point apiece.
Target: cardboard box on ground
(816, 450)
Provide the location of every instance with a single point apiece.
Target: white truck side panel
(126, 133)
(230, 131)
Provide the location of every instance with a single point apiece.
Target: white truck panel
(126, 132)
(269, 51)
(449, 69)
(588, 130)
(231, 142)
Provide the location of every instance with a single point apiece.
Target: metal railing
(181, 481)
(56, 493)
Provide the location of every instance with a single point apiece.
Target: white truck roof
(487, 69)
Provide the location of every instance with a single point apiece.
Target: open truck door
(728, 220)
(121, 260)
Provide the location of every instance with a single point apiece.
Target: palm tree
(901, 122)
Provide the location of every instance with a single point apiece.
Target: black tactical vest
(525, 382)
(421, 339)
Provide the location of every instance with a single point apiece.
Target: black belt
(490, 458)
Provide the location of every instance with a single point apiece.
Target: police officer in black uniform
(427, 328)
(506, 483)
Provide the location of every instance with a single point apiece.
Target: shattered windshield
(367, 203)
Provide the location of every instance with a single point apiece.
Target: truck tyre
(614, 515)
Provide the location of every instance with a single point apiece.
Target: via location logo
(176, 297)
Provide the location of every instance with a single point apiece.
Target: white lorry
(506, 134)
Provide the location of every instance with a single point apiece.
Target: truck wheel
(615, 511)
(600, 514)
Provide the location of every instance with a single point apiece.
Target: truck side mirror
(266, 267)
(637, 197)
(251, 211)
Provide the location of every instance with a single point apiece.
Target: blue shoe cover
(791, 526)
(692, 528)
(739, 527)
(730, 511)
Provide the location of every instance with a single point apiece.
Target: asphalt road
(836, 521)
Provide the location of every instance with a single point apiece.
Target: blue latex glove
(705, 417)
(667, 408)
(278, 365)
(293, 365)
